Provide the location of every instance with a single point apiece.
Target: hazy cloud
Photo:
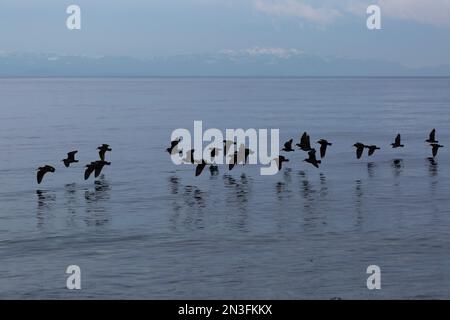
(320, 15)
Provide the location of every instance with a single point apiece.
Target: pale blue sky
(414, 32)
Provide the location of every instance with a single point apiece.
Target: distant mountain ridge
(254, 62)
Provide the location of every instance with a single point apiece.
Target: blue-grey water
(150, 229)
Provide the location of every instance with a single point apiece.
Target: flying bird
(103, 148)
(279, 161)
(96, 166)
(371, 149)
(305, 143)
(432, 137)
(288, 146)
(42, 171)
(398, 142)
(323, 147)
(312, 158)
(359, 149)
(435, 147)
(70, 158)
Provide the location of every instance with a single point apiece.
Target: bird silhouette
(372, 149)
(103, 148)
(70, 158)
(279, 161)
(398, 142)
(173, 146)
(96, 167)
(305, 143)
(359, 149)
(435, 147)
(227, 145)
(312, 158)
(323, 147)
(432, 137)
(42, 171)
(288, 146)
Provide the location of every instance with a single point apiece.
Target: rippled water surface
(150, 229)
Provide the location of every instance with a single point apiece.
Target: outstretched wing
(88, 171)
(433, 135)
(199, 168)
(359, 152)
(40, 176)
(288, 145)
(435, 150)
(398, 139)
(308, 142)
(323, 150)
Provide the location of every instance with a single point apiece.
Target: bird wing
(359, 152)
(288, 145)
(88, 172)
(199, 168)
(323, 150)
(98, 170)
(371, 151)
(303, 139)
(398, 140)
(101, 153)
(435, 150)
(432, 134)
(40, 175)
(72, 154)
(308, 142)
(312, 155)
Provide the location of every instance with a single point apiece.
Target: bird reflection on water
(96, 211)
(46, 201)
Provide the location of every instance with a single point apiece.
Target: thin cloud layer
(323, 12)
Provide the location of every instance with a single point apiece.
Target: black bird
(305, 143)
(99, 166)
(312, 158)
(227, 145)
(173, 145)
(89, 169)
(323, 147)
(42, 171)
(200, 167)
(70, 158)
(372, 149)
(103, 148)
(398, 142)
(359, 149)
(435, 148)
(96, 166)
(288, 146)
(432, 137)
(233, 161)
(279, 161)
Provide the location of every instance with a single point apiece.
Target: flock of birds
(95, 166)
(241, 155)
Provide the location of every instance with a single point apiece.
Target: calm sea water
(150, 229)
